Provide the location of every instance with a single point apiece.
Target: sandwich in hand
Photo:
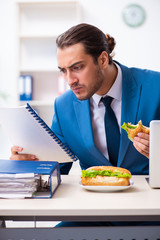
(105, 176)
(133, 130)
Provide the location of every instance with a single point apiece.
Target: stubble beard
(94, 88)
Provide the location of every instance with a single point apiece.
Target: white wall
(135, 46)
(8, 51)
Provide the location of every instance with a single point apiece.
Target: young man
(84, 59)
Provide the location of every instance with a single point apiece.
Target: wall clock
(134, 15)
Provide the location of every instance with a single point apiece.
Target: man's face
(79, 70)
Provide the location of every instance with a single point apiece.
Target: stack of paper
(22, 179)
(20, 185)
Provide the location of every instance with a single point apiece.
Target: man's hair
(93, 40)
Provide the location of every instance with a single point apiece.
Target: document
(27, 130)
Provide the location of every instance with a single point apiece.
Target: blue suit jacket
(140, 101)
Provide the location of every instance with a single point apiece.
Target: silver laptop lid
(154, 159)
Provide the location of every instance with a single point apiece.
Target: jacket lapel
(83, 115)
(131, 93)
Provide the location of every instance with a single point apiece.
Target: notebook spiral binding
(51, 133)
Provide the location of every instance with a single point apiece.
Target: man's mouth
(76, 89)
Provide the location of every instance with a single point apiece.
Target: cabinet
(39, 24)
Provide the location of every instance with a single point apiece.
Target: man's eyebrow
(71, 65)
(60, 68)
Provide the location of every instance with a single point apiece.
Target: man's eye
(77, 68)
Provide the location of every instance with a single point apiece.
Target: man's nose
(71, 78)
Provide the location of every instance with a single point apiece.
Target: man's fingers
(143, 135)
(142, 142)
(16, 155)
(16, 149)
(141, 150)
(23, 157)
(142, 146)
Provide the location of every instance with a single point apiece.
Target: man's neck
(110, 74)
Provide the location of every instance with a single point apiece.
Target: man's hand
(16, 155)
(141, 143)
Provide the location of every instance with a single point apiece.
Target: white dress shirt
(98, 112)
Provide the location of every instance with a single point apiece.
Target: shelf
(37, 36)
(38, 54)
(35, 2)
(45, 85)
(40, 70)
(47, 17)
(39, 24)
(37, 103)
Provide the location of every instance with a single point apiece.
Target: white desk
(72, 203)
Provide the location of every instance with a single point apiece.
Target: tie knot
(107, 101)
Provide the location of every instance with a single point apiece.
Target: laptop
(154, 158)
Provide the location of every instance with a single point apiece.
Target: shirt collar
(115, 91)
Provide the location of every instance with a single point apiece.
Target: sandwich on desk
(21, 179)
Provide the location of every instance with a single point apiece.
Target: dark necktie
(112, 131)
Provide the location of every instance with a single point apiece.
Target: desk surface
(72, 202)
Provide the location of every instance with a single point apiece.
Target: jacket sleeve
(56, 128)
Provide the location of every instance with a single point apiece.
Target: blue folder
(48, 170)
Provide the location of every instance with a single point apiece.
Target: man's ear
(103, 60)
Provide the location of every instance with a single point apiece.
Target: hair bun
(111, 42)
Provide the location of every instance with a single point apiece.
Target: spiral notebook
(26, 129)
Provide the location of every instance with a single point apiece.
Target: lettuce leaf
(93, 173)
(125, 126)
